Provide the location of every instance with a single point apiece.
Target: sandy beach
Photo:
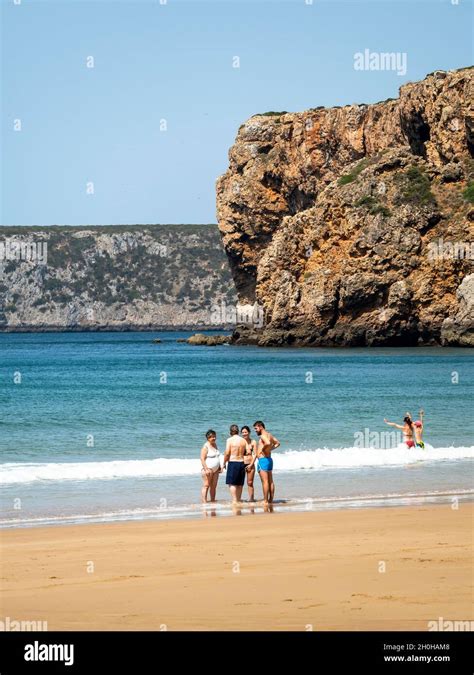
(280, 571)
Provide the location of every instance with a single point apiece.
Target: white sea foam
(291, 460)
(345, 458)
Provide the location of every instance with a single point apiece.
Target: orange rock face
(353, 226)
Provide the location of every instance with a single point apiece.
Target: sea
(107, 427)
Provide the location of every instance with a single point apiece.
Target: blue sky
(174, 62)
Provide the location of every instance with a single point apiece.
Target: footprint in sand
(391, 597)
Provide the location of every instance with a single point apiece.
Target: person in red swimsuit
(408, 429)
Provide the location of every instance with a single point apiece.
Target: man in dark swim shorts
(234, 462)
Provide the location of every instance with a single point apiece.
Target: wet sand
(366, 569)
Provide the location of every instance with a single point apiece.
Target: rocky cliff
(353, 225)
(113, 278)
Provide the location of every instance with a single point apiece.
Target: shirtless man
(234, 461)
(266, 444)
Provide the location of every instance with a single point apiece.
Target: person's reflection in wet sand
(237, 509)
(209, 513)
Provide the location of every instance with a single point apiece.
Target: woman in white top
(211, 466)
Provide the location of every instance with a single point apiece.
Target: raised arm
(393, 424)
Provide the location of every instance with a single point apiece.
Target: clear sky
(174, 62)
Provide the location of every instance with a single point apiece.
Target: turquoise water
(109, 426)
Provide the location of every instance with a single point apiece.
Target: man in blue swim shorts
(267, 442)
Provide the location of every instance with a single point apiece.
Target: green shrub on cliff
(380, 208)
(416, 187)
(346, 178)
(368, 200)
(468, 193)
(64, 249)
(52, 284)
(58, 250)
(349, 177)
(61, 298)
(373, 205)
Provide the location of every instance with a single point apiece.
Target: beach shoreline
(225, 508)
(351, 569)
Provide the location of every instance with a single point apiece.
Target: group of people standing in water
(412, 431)
(242, 458)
